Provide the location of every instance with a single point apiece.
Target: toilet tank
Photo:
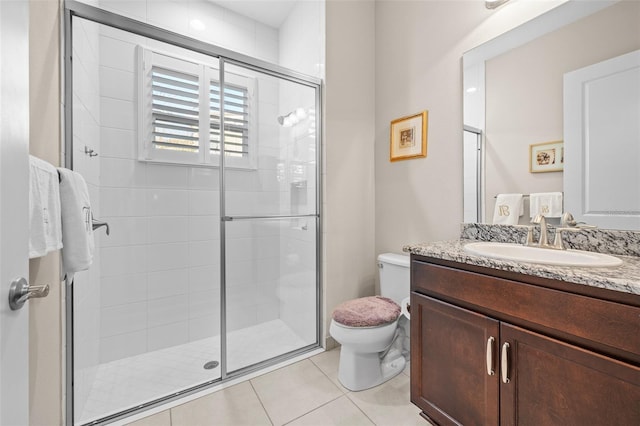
(394, 276)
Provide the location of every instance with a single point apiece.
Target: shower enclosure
(472, 174)
(205, 165)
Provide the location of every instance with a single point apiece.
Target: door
(602, 142)
(14, 181)
(551, 382)
(270, 214)
(454, 370)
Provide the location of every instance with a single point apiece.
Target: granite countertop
(624, 278)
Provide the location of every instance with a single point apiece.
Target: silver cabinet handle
(490, 341)
(20, 291)
(505, 363)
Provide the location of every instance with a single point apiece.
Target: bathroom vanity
(503, 343)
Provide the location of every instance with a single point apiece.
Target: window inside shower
(210, 269)
(179, 112)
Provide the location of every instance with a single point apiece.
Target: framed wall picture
(409, 137)
(546, 157)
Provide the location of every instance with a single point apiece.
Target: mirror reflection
(514, 100)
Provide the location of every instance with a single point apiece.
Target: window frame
(206, 74)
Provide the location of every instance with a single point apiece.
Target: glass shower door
(472, 159)
(269, 215)
(210, 268)
(146, 315)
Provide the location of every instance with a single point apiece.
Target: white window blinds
(179, 113)
(236, 119)
(175, 110)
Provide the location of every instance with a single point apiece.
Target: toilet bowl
(373, 331)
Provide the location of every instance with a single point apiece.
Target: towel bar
(524, 195)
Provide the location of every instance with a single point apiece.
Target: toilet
(374, 331)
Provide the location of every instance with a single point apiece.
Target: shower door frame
(75, 9)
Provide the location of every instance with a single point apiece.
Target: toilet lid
(370, 311)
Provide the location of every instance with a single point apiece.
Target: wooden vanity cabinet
(448, 370)
(475, 362)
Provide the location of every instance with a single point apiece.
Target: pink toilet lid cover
(370, 311)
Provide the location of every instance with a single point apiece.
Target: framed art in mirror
(409, 137)
(546, 157)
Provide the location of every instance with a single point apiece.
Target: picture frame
(546, 157)
(408, 137)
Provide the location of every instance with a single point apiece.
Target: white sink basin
(545, 256)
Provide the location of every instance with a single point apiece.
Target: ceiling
(269, 12)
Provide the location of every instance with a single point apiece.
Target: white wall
(419, 46)
(46, 356)
(223, 27)
(302, 38)
(349, 253)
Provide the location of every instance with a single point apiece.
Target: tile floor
(305, 393)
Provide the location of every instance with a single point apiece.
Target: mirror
(513, 95)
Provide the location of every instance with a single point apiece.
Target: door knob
(20, 291)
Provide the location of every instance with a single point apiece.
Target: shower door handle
(20, 291)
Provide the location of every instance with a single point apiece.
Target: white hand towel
(509, 207)
(45, 225)
(548, 204)
(77, 230)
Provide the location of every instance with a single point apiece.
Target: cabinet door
(554, 383)
(449, 372)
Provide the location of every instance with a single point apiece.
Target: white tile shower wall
(297, 289)
(222, 27)
(86, 133)
(302, 38)
(302, 49)
(160, 274)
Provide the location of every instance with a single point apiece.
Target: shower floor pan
(128, 382)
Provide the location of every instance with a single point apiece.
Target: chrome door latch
(20, 291)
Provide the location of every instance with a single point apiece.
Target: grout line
(317, 408)
(340, 388)
(314, 409)
(260, 401)
(360, 409)
(112, 67)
